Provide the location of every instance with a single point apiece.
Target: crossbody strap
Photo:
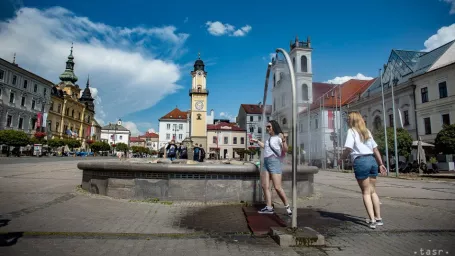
(270, 145)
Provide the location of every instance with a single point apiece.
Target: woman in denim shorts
(273, 149)
(366, 160)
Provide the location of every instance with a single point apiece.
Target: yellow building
(225, 138)
(71, 112)
(198, 94)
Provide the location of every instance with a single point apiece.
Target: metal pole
(309, 135)
(294, 136)
(341, 128)
(267, 75)
(395, 81)
(385, 126)
(324, 162)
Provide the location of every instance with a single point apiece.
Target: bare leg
(375, 198)
(276, 179)
(365, 187)
(265, 182)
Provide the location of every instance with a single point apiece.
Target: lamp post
(395, 81)
(294, 129)
(385, 126)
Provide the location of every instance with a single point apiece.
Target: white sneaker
(266, 210)
(288, 210)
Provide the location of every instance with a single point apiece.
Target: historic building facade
(249, 118)
(225, 138)
(115, 133)
(198, 111)
(24, 97)
(173, 126)
(71, 113)
(151, 140)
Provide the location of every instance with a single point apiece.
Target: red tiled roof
(256, 108)
(149, 135)
(221, 126)
(175, 114)
(136, 139)
(349, 92)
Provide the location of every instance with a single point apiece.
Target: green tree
(72, 143)
(55, 143)
(13, 138)
(99, 146)
(404, 140)
(445, 140)
(121, 147)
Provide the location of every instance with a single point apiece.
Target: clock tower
(198, 94)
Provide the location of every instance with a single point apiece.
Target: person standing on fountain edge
(365, 158)
(273, 149)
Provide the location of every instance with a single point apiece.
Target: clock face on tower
(199, 105)
(199, 73)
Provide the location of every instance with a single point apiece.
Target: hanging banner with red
(38, 121)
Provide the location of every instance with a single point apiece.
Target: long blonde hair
(356, 122)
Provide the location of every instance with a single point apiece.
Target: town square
(158, 133)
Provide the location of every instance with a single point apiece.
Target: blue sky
(348, 37)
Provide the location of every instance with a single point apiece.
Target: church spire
(68, 77)
(87, 96)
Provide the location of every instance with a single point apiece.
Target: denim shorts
(365, 166)
(272, 165)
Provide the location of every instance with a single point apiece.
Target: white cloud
(452, 7)
(226, 115)
(342, 79)
(217, 28)
(151, 130)
(132, 127)
(131, 69)
(443, 36)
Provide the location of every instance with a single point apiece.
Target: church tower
(301, 59)
(198, 94)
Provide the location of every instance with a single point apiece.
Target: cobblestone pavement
(42, 213)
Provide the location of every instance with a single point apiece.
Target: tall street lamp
(385, 125)
(294, 129)
(395, 81)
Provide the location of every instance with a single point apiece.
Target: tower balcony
(198, 91)
(300, 45)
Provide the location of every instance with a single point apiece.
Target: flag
(330, 117)
(38, 120)
(44, 119)
(68, 132)
(89, 129)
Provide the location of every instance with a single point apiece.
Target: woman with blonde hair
(366, 160)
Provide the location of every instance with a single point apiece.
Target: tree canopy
(14, 138)
(404, 140)
(445, 140)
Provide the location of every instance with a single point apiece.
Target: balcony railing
(196, 91)
(299, 45)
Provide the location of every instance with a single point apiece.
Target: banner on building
(38, 120)
(44, 119)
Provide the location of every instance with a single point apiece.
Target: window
(427, 123)
(57, 124)
(251, 119)
(180, 126)
(251, 129)
(446, 119)
(391, 120)
(14, 79)
(168, 136)
(52, 106)
(180, 136)
(67, 111)
(2, 74)
(33, 104)
(214, 140)
(235, 140)
(268, 118)
(168, 126)
(21, 123)
(45, 92)
(35, 88)
(9, 121)
(42, 107)
(23, 101)
(226, 140)
(303, 64)
(406, 117)
(260, 118)
(120, 137)
(443, 90)
(316, 124)
(259, 130)
(79, 116)
(88, 119)
(25, 84)
(11, 97)
(424, 93)
(72, 113)
(274, 80)
(59, 108)
(242, 140)
(293, 63)
(304, 92)
(284, 121)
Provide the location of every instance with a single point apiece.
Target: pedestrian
(273, 148)
(366, 160)
(171, 150)
(202, 155)
(197, 153)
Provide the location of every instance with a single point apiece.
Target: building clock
(199, 73)
(199, 105)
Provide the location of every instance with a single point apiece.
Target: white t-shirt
(275, 142)
(358, 147)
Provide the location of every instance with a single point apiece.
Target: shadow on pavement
(4, 222)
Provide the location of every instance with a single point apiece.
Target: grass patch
(151, 201)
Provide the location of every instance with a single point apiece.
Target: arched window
(303, 64)
(377, 123)
(251, 129)
(284, 121)
(274, 80)
(293, 63)
(305, 92)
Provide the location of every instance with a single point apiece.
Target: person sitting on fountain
(171, 150)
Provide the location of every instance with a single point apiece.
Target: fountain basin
(202, 182)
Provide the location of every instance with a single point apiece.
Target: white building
(173, 125)
(23, 95)
(249, 119)
(115, 133)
